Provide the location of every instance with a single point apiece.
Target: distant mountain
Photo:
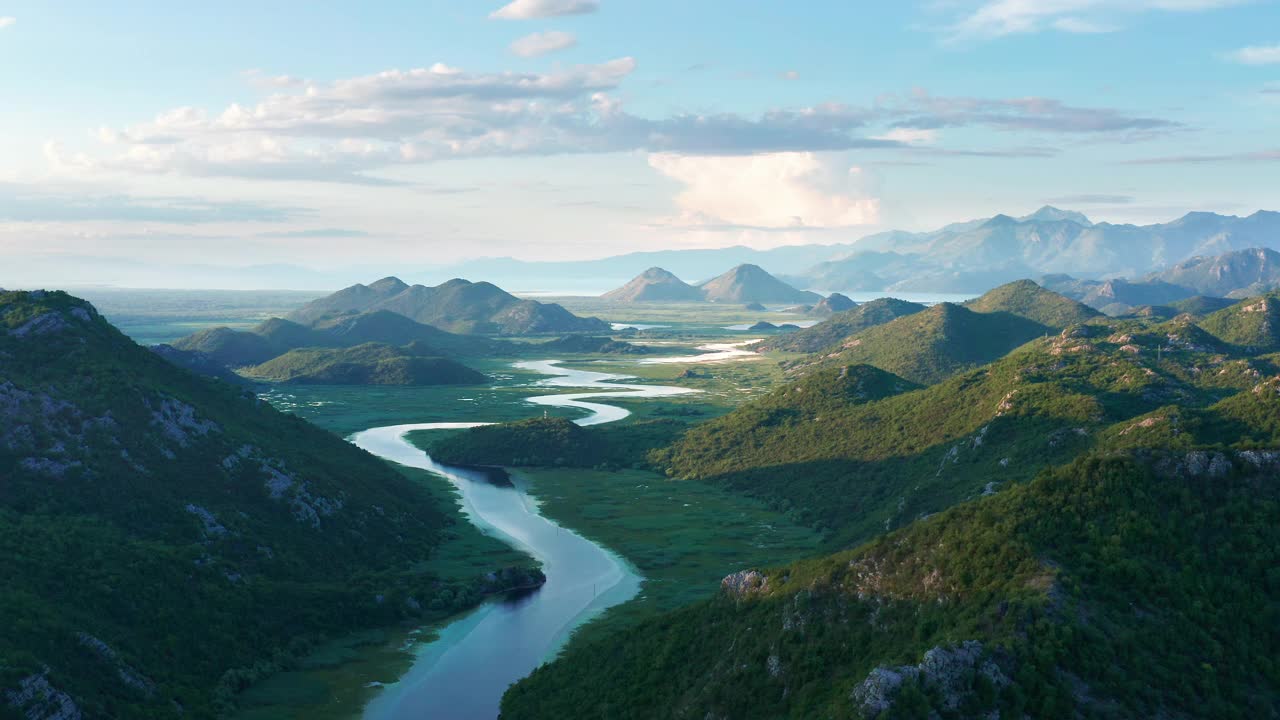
(199, 363)
(1237, 274)
(1252, 324)
(457, 305)
(750, 283)
(231, 348)
(969, 257)
(861, 271)
(1048, 213)
(368, 364)
(384, 326)
(275, 336)
(842, 325)
(592, 344)
(594, 276)
(831, 304)
(162, 533)
(655, 285)
(1117, 296)
(1029, 300)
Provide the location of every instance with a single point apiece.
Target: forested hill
(458, 306)
(1085, 528)
(1132, 586)
(853, 467)
(165, 538)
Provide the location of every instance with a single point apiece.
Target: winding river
(463, 674)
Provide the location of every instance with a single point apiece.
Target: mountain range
(277, 336)
(457, 305)
(1082, 527)
(974, 255)
(937, 342)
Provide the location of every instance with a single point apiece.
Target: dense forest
(167, 539)
(1130, 586)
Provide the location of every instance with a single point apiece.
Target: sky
(333, 134)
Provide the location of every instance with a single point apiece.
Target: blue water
(463, 674)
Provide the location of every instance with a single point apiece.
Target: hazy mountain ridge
(745, 284)
(655, 285)
(751, 283)
(457, 305)
(977, 255)
(215, 350)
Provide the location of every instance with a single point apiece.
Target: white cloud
(910, 136)
(342, 130)
(777, 190)
(791, 75)
(541, 43)
(7, 21)
(531, 9)
(1257, 55)
(995, 18)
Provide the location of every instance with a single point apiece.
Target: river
(463, 674)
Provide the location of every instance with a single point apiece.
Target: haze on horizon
(408, 135)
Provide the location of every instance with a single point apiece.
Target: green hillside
(934, 344)
(166, 539)
(367, 364)
(1026, 299)
(841, 325)
(275, 337)
(1202, 305)
(557, 442)
(1252, 323)
(230, 348)
(1110, 588)
(383, 326)
(852, 467)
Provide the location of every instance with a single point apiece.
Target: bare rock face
(179, 422)
(128, 676)
(745, 583)
(947, 670)
(36, 699)
(281, 484)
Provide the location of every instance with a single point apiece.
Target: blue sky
(326, 134)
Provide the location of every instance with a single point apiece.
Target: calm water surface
(463, 674)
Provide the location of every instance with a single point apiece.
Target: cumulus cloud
(924, 111)
(911, 136)
(7, 21)
(532, 9)
(1257, 55)
(996, 18)
(541, 43)
(777, 190)
(348, 129)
